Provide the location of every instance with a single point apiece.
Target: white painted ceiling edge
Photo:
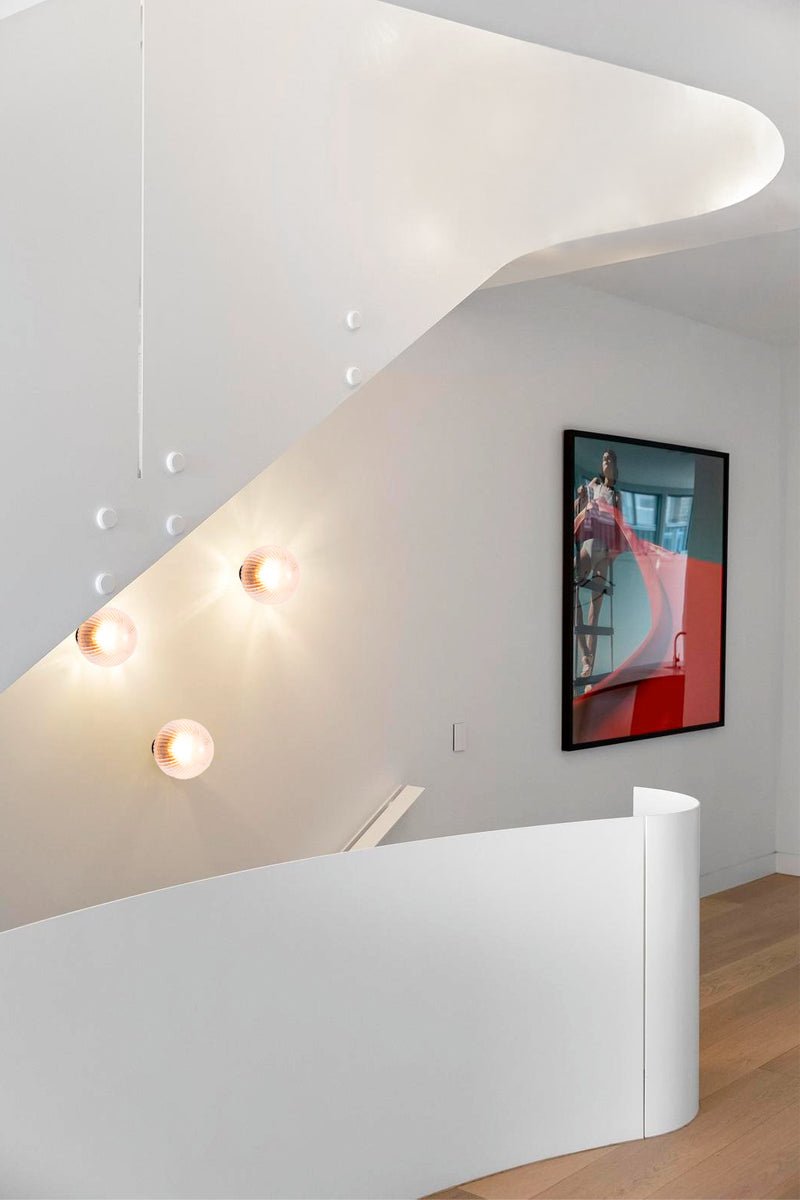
(745, 50)
(750, 286)
(630, 245)
(406, 159)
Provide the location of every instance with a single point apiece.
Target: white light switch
(459, 736)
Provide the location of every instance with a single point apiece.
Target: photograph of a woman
(644, 578)
(597, 543)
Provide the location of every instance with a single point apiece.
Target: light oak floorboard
(715, 906)
(787, 1064)
(639, 1169)
(745, 1031)
(745, 972)
(734, 935)
(759, 1165)
(755, 904)
(790, 1190)
(523, 1182)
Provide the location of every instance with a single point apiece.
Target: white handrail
(376, 828)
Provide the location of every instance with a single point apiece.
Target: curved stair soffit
(299, 159)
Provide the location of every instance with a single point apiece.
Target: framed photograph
(645, 564)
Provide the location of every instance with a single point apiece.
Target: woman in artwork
(598, 541)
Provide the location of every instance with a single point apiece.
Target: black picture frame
(568, 741)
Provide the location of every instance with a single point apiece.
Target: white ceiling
(749, 286)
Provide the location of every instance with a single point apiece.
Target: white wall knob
(353, 376)
(175, 524)
(353, 319)
(106, 518)
(175, 462)
(105, 583)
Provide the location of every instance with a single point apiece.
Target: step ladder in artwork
(591, 592)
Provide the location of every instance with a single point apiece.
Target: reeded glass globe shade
(108, 638)
(183, 749)
(270, 574)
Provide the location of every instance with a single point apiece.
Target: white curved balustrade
(379, 1024)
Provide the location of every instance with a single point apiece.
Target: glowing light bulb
(270, 574)
(108, 638)
(183, 749)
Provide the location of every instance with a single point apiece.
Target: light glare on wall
(270, 574)
(183, 749)
(108, 638)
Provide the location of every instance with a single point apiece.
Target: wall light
(183, 749)
(270, 574)
(108, 638)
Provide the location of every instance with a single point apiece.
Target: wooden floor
(745, 1142)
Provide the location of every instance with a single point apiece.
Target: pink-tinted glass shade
(108, 638)
(270, 574)
(183, 749)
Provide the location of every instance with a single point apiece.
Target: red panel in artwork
(703, 642)
(672, 680)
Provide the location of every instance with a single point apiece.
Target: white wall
(788, 806)
(517, 369)
(426, 515)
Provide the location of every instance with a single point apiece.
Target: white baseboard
(787, 864)
(744, 872)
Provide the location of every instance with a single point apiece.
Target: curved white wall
(671, 957)
(299, 159)
(377, 1024)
